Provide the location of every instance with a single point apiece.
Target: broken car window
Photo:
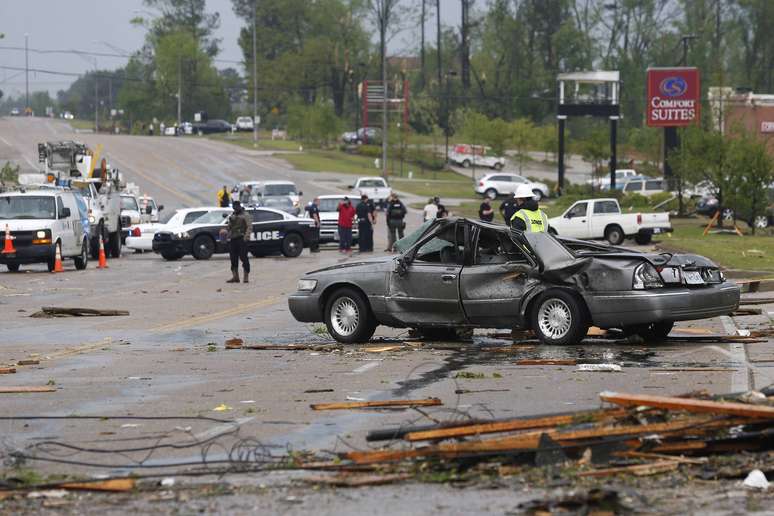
(442, 248)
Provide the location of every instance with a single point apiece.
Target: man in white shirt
(430, 211)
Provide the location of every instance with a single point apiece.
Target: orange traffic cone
(102, 258)
(58, 261)
(8, 248)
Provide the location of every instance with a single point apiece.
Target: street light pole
(26, 73)
(96, 99)
(179, 90)
(255, 74)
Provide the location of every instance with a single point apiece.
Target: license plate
(657, 231)
(670, 275)
(693, 278)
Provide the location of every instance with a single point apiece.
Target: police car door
(267, 232)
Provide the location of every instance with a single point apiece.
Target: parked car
(475, 155)
(273, 189)
(376, 188)
(212, 126)
(370, 135)
(329, 217)
(67, 115)
(494, 185)
(621, 176)
(280, 202)
(244, 123)
(591, 219)
(141, 235)
(130, 214)
(646, 187)
(15, 112)
(447, 272)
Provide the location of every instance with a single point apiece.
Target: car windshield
(85, 191)
(27, 207)
(327, 205)
(409, 240)
(279, 190)
(277, 202)
(213, 217)
(371, 183)
(129, 203)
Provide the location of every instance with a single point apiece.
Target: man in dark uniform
(485, 211)
(313, 209)
(508, 208)
(239, 227)
(365, 224)
(396, 212)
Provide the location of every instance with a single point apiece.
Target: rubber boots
(234, 276)
(247, 274)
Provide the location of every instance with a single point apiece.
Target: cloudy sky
(102, 26)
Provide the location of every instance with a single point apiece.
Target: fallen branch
(430, 402)
(53, 311)
(689, 405)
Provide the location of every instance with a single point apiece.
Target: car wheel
(614, 234)
(727, 215)
(12, 267)
(653, 332)
(491, 193)
(203, 247)
(292, 245)
(761, 222)
(538, 195)
(643, 238)
(348, 317)
(559, 319)
(466, 163)
(51, 262)
(170, 256)
(83, 260)
(498, 166)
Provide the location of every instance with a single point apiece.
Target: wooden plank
(12, 390)
(113, 485)
(7, 370)
(559, 362)
(513, 425)
(689, 405)
(636, 469)
(662, 456)
(292, 347)
(383, 349)
(429, 402)
(28, 361)
(56, 311)
(680, 447)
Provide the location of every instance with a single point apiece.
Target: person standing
(485, 211)
(430, 211)
(507, 209)
(442, 212)
(239, 227)
(366, 219)
(224, 197)
(313, 209)
(246, 195)
(346, 217)
(529, 217)
(396, 213)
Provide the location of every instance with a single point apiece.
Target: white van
(40, 221)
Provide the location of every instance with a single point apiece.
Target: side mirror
(160, 207)
(65, 213)
(401, 266)
(148, 209)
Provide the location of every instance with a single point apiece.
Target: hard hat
(523, 191)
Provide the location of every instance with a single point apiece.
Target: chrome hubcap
(554, 318)
(345, 316)
(761, 222)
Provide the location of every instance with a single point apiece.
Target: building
(738, 109)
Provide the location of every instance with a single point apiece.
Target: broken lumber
(28, 361)
(55, 311)
(756, 301)
(234, 343)
(429, 402)
(116, 485)
(548, 361)
(675, 458)
(689, 405)
(759, 285)
(7, 370)
(12, 390)
(746, 311)
(639, 470)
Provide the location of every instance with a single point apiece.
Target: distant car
(141, 235)
(329, 217)
(621, 176)
(646, 187)
(494, 185)
(244, 123)
(376, 188)
(170, 131)
(619, 185)
(371, 135)
(273, 189)
(67, 115)
(280, 202)
(475, 155)
(15, 112)
(149, 210)
(130, 214)
(186, 128)
(212, 126)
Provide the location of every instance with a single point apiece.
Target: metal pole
(96, 99)
(255, 74)
(613, 150)
(26, 73)
(179, 90)
(383, 29)
(560, 156)
(446, 114)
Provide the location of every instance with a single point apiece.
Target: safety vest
(534, 220)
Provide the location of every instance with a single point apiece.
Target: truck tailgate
(655, 220)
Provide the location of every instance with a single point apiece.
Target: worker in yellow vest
(528, 217)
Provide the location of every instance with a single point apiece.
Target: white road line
(6, 141)
(363, 368)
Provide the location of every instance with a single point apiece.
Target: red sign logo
(674, 97)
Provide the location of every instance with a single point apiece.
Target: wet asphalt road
(168, 358)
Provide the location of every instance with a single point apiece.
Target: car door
(492, 286)
(64, 228)
(575, 223)
(266, 236)
(633, 187)
(75, 221)
(427, 293)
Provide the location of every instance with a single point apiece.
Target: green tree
(753, 171)
(595, 150)
(316, 124)
(522, 136)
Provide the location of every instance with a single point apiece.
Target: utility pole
(465, 45)
(26, 72)
(383, 40)
(422, 45)
(255, 74)
(96, 99)
(438, 38)
(179, 90)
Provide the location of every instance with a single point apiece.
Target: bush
(425, 159)
(371, 151)
(9, 174)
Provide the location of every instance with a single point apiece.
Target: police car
(273, 232)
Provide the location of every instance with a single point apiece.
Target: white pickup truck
(591, 219)
(376, 188)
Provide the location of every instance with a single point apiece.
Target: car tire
(558, 318)
(614, 234)
(12, 267)
(171, 257)
(498, 166)
(82, 260)
(466, 163)
(761, 222)
(491, 193)
(348, 317)
(203, 247)
(114, 241)
(538, 195)
(292, 245)
(643, 238)
(653, 332)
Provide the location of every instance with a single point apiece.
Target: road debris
(222, 408)
(357, 480)
(53, 311)
(234, 343)
(526, 362)
(600, 368)
(315, 391)
(28, 362)
(429, 402)
(689, 405)
(7, 370)
(293, 347)
(756, 480)
(12, 390)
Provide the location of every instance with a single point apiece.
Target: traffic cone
(58, 261)
(102, 258)
(8, 248)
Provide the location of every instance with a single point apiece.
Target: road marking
(218, 430)
(6, 141)
(367, 367)
(195, 321)
(79, 349)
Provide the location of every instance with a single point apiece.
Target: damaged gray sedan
(459, 273)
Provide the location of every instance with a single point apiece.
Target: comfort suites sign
(674, 97)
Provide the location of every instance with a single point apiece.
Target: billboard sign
(674, 97)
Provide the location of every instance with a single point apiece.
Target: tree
(753, 171)
(188, 16)
(594, 149)
(315, 124)
(521, 134)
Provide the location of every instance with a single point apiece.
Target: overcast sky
(103, 26)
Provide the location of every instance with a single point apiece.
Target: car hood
(385, 261)
(26, 224)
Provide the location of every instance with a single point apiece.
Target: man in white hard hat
(529, 217)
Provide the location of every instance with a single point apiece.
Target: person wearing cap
(346, 216)
(507, 209)
(366, 219)
(239, 227)
(396, 213)
(529, 217)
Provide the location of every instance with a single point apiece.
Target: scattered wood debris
(12, 390)
(54, 311)
(293, 347)
(547, 361)
(117, 485)
(358, 480)
(689, 405)
(7, 370)
(28, 361)
(234, 343)
(746, 311)
(429, 402)
(756, 301)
